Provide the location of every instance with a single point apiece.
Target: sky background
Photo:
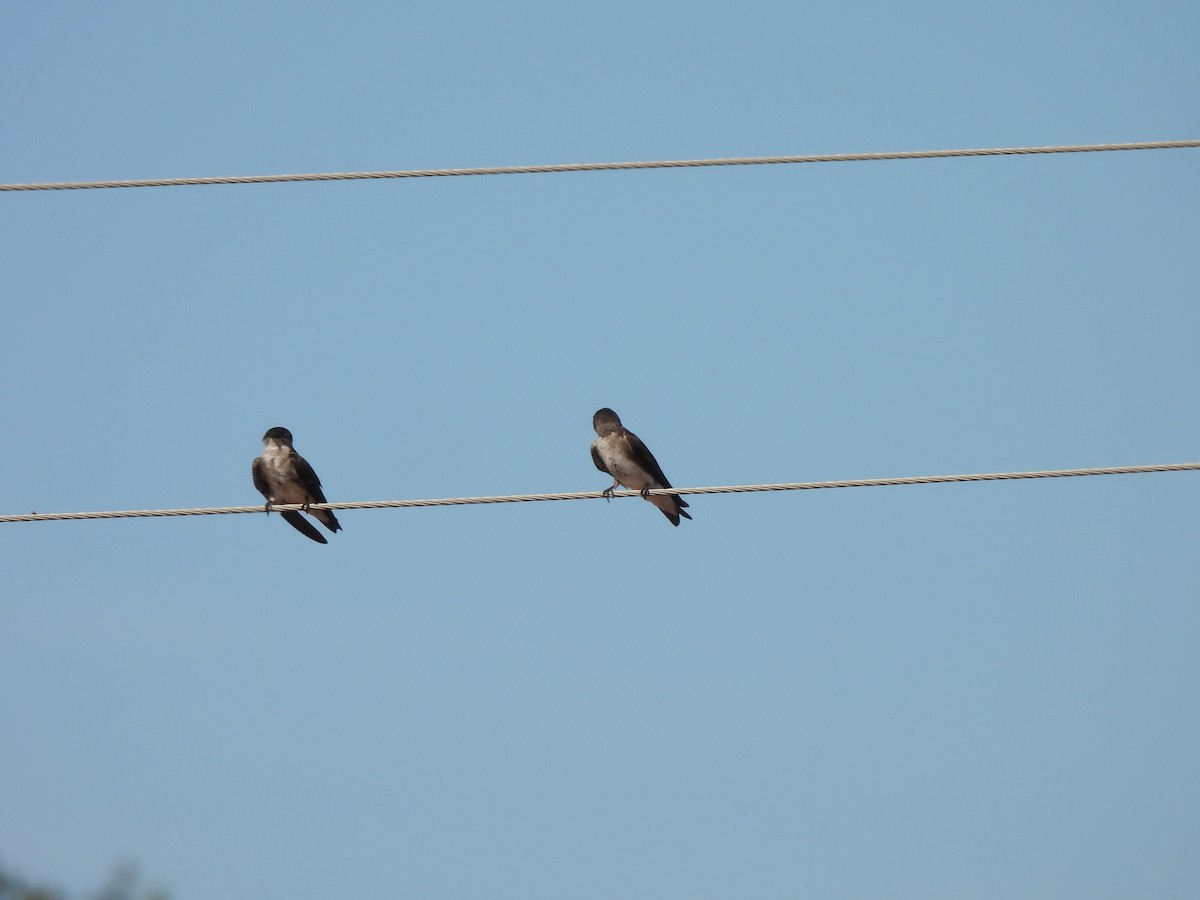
(982, 690)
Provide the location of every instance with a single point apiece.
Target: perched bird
(284, 476)
(620, 453)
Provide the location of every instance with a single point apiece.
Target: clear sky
(942, 691)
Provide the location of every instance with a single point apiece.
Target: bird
(284, 476)
(619, 452)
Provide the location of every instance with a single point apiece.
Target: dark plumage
(620, 453)
(284, 476)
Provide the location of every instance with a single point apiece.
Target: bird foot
(607, 493)
(645, 493)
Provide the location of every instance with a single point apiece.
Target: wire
(597, 167)
(595, 495)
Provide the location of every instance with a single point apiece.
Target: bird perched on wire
(284, 476)
(620, 453)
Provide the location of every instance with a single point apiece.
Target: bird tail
(326, 518)
(302, 525)
(671, 506)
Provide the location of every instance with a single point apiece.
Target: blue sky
(945, 691)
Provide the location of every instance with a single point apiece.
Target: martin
(620, 453)
(284, 476)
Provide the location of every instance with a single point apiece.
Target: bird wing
(260, 478)
(599, 460)
(640, 452)
(308, 478)
(644, 458)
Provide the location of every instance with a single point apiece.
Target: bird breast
(615, 454)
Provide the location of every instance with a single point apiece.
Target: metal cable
(598, 167)
(594, 495)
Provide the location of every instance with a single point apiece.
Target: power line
(595, 495)
(599, 167)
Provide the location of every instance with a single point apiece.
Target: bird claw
(267, 507)
(645, 493)
(607, 493)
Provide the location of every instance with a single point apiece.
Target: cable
(597, 167)
(594, 495)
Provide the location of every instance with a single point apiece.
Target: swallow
(619, 452)
(284, 476)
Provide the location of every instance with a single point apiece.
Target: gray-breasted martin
(620, 453)
(284, 476)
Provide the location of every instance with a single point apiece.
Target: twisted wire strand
(595, 495)
(601, 166)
